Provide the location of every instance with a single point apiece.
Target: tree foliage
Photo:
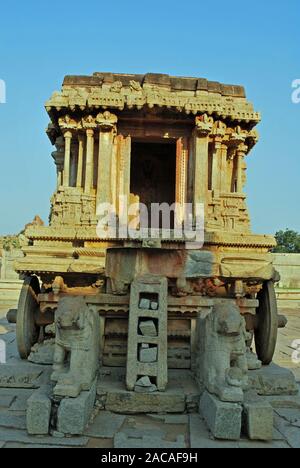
(288, 241)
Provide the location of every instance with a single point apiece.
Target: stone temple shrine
(120, 315)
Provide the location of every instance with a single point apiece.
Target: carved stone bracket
(106, 121)
(204, 125)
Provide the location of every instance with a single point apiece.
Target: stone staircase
(9, 293)
(288, 298)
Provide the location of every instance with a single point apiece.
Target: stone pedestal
(223, 419)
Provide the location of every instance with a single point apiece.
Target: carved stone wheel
(266, 329)
(27, 330)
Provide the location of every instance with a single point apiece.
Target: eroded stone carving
(222, 355)
(76, 355)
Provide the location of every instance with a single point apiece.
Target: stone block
(273, 380)
(148, 328)
(39, 412)
(145, 304)
(131, 402)
(200, 436)
(258, 419)
(223, 419)
(74, 413)
(148, 354)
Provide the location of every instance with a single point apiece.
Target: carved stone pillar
(89, 167)
(58, 157)
(204, 125)
(218, 166)
(240, 155)
(181, 177)
(66, 175)
(80, 161)
(107, 124)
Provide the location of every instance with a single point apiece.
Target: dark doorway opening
(153, 175)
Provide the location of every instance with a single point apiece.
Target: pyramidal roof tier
(134, 92)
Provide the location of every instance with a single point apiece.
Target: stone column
(181, 177)
(224, 170)
(80, 161)
(107, 124)
(204, 125)
(240, 155)
(66, 175)
(89, 169)
(216, 167)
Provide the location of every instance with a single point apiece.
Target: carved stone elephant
(77, 347)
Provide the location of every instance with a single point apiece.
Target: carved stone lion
(76, 355)
(222, 358)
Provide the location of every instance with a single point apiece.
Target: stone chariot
(153, 139)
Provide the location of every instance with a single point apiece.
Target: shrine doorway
(153, 175)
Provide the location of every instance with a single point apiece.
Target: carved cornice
(133, 95)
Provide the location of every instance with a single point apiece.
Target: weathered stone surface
(148, 328)
(132, 402)
(21, 375)
(2, 444)
(13, 435)
(39, 411)
(290, 432)
(148, 354)
(222, 365)
(200, 437)
(224, 419)
(11, 420)
(258, 419)
(273, 380)
(145, 304)
(143, 382)
(105, 425)
(77, 334)
(122, 440)
(74, 413)
(151, 389)
(284, 401)
(6, 401)
(42, 353)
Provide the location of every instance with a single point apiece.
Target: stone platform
(171, 420)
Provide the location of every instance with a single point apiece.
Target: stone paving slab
(6, 401)
(10, 445)
(11, 420)
(14, 435)
(105, 425)
(122, 440)
(290, 433)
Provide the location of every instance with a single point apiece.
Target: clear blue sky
(255, 43)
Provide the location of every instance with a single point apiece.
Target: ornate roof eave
(135, 92)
